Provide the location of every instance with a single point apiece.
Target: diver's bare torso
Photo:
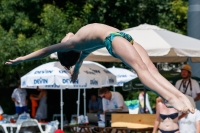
(91, 37)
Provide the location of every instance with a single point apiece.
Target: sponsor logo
(93, 82)
(43, 71)
(132, 76)
(106, 71)
(69, 81)
(111, 80)
(80, 86)
(23, 83)
(120, 83)
(121, 76)
(89, 72)
(40, 81)
(95, 71)
(52, 86)
(63, 71)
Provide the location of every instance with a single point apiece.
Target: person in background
(112, 100)
(95, 105)
(141, 100)
(188, 122)
(166, 118)
(34, 105)
(19, 98)
(41, 113)
(1, 113)
(187, 85)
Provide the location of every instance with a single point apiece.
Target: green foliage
(134, 95)
(26, 26)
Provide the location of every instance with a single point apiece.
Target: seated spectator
(166, 118)
(189, 123)
(112, 100)
(95, 105)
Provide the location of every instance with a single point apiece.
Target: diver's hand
(74, 75)
(14, 62)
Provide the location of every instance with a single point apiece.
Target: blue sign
(93, 82)
(43, 71)
(40, 81)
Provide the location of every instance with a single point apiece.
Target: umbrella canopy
(161, 45)
(54, 76)
(123, 75)
(108, 78)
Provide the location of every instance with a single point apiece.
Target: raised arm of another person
(38, 97)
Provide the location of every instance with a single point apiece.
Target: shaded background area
(69, 98)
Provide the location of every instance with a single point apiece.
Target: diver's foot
(183, 98)
(178, 104)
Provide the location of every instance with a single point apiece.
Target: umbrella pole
(61, 108)
(78, 102)
(113, 88)
(84, 96)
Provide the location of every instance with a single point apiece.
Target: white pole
(61, 108)
(84, 97)
(113, 88)
(78, 102)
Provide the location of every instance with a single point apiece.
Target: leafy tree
(26, 26)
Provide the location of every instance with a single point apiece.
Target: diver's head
(68, 59)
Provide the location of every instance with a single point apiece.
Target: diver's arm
(65, 45)
(75, 72)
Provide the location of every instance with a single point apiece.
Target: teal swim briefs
(108, 40)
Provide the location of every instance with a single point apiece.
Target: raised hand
(14, 62)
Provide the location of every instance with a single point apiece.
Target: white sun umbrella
(122, 75)
(161, 45)
(53, 76)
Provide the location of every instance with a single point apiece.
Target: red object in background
(1, 117)
(59, 131)
(34, 105)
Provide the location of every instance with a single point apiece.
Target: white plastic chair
(29, 123)
(57, 117)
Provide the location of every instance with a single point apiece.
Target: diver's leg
(154, 72)
(128, 54)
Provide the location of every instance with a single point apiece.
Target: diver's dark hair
(68, 59)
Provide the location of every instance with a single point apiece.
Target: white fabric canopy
(161, 45)
(53, 75)
(123, 75)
